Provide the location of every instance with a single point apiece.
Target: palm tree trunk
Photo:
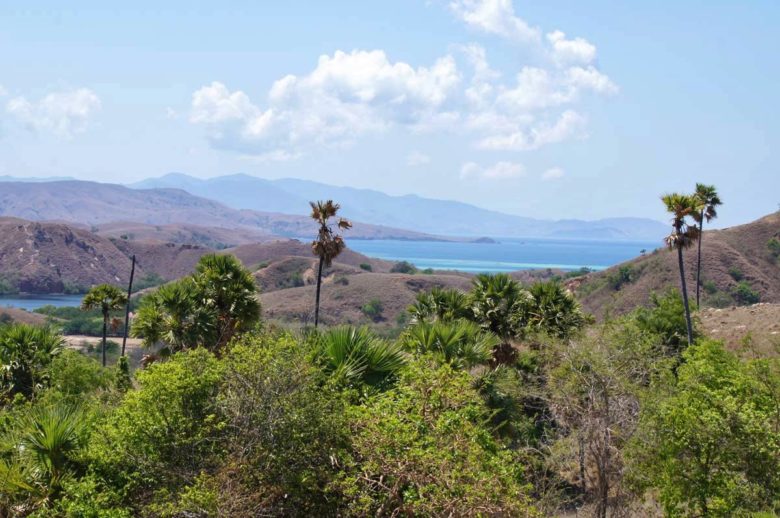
(698, 260)
(685, 295)
(127, 308)
(105, 325)
(317, 301)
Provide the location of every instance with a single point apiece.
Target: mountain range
(412, 212)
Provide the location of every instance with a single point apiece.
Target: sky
(554, 109)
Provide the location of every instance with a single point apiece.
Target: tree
(226, 286)
(25, 353)
(105, 298)
(707, 200)
(554, 310)
(500, 305)
(709, 443)
(443, 304)
(683, 236)
(460, 343)
(328, 244)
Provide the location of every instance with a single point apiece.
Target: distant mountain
(441, 217)
(7, 178)
(93, 204)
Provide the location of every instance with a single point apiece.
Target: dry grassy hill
(750, 330)
(182, 233)
(732, 259)
(344, 297)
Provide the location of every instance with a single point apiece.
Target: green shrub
(428, 271)
(665, 318)
(736, 273)
(744, 294)
(373, 309)
(366, 267)
(625, 274)
(341, 280)
(719, 299)
(403, 267)
(72, 373)
(774, 247)
(710, 287)
(148, 281)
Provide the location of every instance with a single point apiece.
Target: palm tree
(226, 286)
(499, 304)
(352, 355)
(683, 236)
(106, 298)
(707, 199)
(440, 304)
(554, 310)
(25, 352)
(460, 343)
(328, 244)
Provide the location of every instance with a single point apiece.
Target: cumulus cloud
(417, 158)
(351, 94)
(61, 113)
(495, 17)
(553, 173)
(497, 171)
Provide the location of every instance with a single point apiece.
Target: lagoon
(33, 302)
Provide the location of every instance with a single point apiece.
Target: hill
(92, 203)
(440, 217)
(43, 257)
(737, 267)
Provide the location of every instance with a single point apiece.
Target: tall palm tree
(683, 235)
(328, 244)
(106, 298)
(707, 198)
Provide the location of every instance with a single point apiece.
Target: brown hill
(736, 258)
(344, 297)
(751, 330)
(93, 203)
(183, 234)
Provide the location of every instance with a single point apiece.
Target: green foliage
(459, 343)
(428, 271)
(25, 354)
(149, 280)
(365, 266)
(736, 273)
(711, 444)
(665, 318)
(744, 294)
(73, 373)
(9, 284)
(553, 311)
(354, 356)
(207, 308)
(440, 304)
(499, 304)
(403, 267)
(422, 449)
(373, 309)
(773, 245)
(624, 274)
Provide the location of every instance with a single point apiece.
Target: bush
(424, 449)
(665, 318)
(341, 280)
(72, 373)
(774, 247)
(403, 267)
(149, 280)
(428, 271)
(373, 309)
(366, 267)
(744, 294)
(625, 274)
(736, 273)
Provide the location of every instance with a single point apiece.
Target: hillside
(183, 233)
(441, 217)
(92, 203)
(42, 257)
(737, 265)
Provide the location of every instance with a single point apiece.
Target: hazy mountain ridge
(440, 217)
(92, 203)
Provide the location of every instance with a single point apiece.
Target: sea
(505, 254)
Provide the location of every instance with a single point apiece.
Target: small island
(485, 240)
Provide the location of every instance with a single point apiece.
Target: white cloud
(351, 94)
(498, 171)
(569, 124)
(62, 113)
(170, 113)
(578, 50)
(495, 17)
(553, 173)
(417, 158)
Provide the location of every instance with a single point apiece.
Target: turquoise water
(506, 255)
(33, 302)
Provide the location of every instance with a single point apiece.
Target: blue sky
(554, 109)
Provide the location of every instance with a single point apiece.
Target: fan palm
(708, 200)
(683, 235)
(175, 316)
(354, 355)
(554, 310)
(328, 244)
(105, 298)
(499, 304)
(25, 352)
(226, 286)
(460, 343)
(440, 304)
